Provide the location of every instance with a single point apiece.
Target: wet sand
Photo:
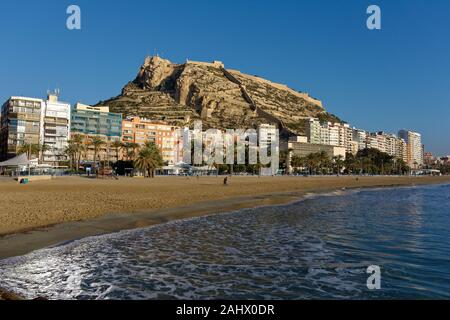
(49, 213)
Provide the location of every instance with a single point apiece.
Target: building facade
(302, 149)
(97, 122)
(414, 148)
(166, 137)
(55, 130)
(360, 137)
(20, 124)
(333, 134)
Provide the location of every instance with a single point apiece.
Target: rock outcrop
(182, 93)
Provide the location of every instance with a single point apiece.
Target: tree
(311, 162)
(339, 163)
(374, 161)
(149, 159)
(79, 147)
(71, 152)
(43, 149)
(298, 162)
(29, 150)
(352, 164)
(117, 146)
(97, 143)
(130, 150)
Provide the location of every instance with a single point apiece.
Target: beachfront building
(55, 129)
(303, 149)
(414, 148)
(360, 137)
(328, 133)
(313, 131)
(97, 122)
(267, 134)
(384, 142)
(20, 124)
(394, 146)
(166, 137)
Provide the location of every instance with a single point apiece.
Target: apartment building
(55, 129)
(90, 122)
(267, 134)
(313, 131)
(20, 124)
(414, 148)
(360, 137)
(302, 149)
(166, 137)
(333, 134)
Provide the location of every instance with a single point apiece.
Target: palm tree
(311, 162)
(97, 143)
(324, 162)
(79, 147)
(339, 162)
(117, 146)
(297, 162)
(149, 159)
(130, 149)
(29, 150)
(71, 152)
(44, 148)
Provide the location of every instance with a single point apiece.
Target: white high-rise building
(360, 136)
(55, 129)
(414, 147)
(332, 134)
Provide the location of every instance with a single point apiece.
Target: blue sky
(398, 77)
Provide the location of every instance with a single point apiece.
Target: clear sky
(398, 77)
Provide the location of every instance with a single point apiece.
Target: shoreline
(26, 242)
(22, 243)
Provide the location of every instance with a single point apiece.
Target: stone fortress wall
(219, 64)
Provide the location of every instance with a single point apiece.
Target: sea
(364, 244)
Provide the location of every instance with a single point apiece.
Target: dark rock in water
(5, 295)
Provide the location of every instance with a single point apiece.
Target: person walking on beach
(225, 181)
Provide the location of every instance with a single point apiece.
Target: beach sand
(47, 213)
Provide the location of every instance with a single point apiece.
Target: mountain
(221, 98)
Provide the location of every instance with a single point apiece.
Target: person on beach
(225, 181)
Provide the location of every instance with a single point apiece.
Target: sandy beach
(50, 212)
(47, 213)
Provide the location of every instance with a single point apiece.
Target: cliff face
(182, 93)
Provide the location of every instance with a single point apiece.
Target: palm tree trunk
(95, 159)
(78, 161)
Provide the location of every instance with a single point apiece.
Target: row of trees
(34, 150)
(147, 158)
(367, 161)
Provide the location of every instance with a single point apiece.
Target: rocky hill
(182, 93)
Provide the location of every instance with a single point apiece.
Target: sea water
(319, 248)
